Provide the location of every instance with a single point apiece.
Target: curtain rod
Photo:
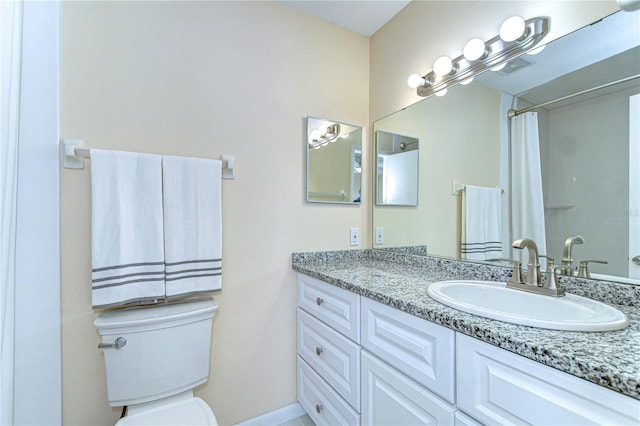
(512, 112)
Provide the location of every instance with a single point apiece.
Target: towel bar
(74, 155)
(456, 187)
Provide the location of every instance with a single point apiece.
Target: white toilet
(154, 357)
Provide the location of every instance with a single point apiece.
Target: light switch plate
(379, 235)
(354, 236)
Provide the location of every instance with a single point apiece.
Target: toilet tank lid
(199, 308)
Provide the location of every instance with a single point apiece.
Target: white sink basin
(493, 300)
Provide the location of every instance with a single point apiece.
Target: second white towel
(481, 223)
(192, 225)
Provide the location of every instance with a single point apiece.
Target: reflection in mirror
(397, 169)
(334, 161)
(588, 154)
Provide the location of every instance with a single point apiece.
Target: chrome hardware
(533, 265)
(318, 408)
(119, 343)
(552, 286)
(318, 351)
(636, 260)
(550, 261)
(566, 252)
(319, 301)
(583, 272)
(516, 275)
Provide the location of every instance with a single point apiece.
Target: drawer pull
(319, 301)
(318, 408)
(318, 351)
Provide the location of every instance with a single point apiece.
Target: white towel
(127, 250)
(192, 225)
(481, 223)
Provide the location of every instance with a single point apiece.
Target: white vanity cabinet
(328, 352)
(408, 368)
(364, 362)
(498, 387)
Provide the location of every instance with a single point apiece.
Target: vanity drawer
(422, 350)
(322, 403)
(333, 356)
(333, 305)
(499, 387)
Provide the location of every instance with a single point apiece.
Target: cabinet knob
(319, 301)
(318, 408)
(318, 351)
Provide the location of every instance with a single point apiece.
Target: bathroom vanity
(374, 348)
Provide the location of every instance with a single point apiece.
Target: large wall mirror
(334, 161)
(589, 153)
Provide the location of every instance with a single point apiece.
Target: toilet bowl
(154, 357)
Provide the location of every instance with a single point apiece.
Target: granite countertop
(610, 359)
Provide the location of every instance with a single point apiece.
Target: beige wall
(425, 30)
(204, 79)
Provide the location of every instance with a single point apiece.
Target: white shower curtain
(11, 16)
(527, 202)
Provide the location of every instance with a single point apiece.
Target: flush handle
(319, 301)
(318, 351)
(119, 343)
(636, 260)
(318, 408)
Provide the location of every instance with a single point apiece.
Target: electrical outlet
(379, 235)
(354, 236)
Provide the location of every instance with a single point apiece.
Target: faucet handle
(583, 272)
(552, 279)
(516, 276)
(550, 261)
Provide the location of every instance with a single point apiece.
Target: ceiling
(360, 16)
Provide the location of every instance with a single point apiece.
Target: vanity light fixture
(517, 37)
(321, 137)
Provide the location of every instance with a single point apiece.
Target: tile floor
(299, 421)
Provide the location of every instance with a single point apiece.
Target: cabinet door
(321, 402)
(333, 356)
(499, 387)
(391, 398)
(333, 305)
(421, 349)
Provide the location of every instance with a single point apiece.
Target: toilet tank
(166, 352)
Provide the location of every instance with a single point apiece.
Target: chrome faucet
(532, 281)
(566, 253)
(532, 276)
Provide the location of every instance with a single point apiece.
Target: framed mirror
(397, 169)
(334, 161)
(588, 177)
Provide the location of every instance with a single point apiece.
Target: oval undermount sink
(493, 300)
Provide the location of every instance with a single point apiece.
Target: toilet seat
(190, 411)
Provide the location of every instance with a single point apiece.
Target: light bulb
(474, 49)
(499, 67)
(415, 81)
(536, 50)
(441, 92)
(512, 29)
(442, 66)
(467, 81)
(315, 134)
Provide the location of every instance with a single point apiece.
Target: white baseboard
(276, 417)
